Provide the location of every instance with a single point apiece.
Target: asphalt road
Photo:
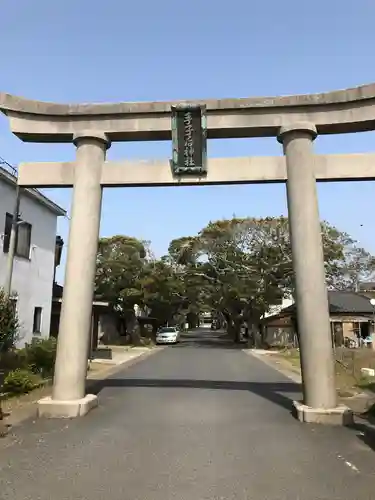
(199, 421)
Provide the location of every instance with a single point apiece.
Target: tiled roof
(58, 291)
(349, 302)
(343, 302)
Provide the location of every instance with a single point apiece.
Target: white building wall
(32, 279)
(286, 302)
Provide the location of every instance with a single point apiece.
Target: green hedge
(26, 368)
(40, 356)
(21, 381)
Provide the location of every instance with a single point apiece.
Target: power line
(7, 166)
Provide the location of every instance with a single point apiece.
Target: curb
(294, 376)
(105, 374)
(369, 427)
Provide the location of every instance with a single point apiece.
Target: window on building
(23, 240)
(7, 231)
(337, 333)
(14, 301)
(37, 322)
(356, 329)
(23, 237)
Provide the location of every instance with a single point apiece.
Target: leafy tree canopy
(238, 267)
(246, 264)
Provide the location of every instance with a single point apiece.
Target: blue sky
(86, 50)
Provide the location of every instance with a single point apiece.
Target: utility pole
(12, 243)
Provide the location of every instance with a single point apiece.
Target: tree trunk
(257, 337)
(154, 330)
(237, 334)
(143, 332)
(239, 323)
(233, 328)
(253, 319)
(230, 325)
(192, 319)
(256, 333)
(133, 330)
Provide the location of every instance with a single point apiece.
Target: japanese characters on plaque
(189, 140)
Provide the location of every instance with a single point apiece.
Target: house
(99, 318)
(277, 308)
(351, 317)
(33, 268)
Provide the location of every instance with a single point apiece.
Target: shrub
(13, 359)
(20, 381)
(41, 355)
(9, 325)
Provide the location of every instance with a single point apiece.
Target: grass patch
(96, 367)
(349, 378)
(292, 355)
(367, 383)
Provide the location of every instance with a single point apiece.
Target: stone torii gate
(294, 120)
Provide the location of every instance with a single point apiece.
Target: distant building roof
(58, 291)
(10, 178)
(349, 302)
(340, 302)
(366, 286)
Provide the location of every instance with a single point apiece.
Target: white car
(168, 335)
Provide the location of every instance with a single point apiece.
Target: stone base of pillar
(341, 415)
(50, 408)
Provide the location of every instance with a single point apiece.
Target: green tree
(184, 254)
(246, 265)
(119, 270)
(9, 324)
(128, 275)
(346, 262)
(163, 292)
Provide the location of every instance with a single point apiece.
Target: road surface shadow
(365, 430)
(272, 391)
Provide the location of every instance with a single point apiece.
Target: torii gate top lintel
(350, 110)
